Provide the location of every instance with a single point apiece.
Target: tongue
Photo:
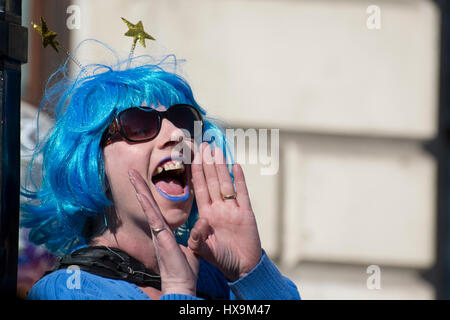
(170, 186)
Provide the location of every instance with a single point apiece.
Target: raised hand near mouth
(225, 234)
(178, 265)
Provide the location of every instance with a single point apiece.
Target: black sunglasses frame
(115, 131)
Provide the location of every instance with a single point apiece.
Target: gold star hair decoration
(48, 36)
(137, 32)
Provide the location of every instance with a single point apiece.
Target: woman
(122, 202)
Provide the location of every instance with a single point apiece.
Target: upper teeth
(171, 165)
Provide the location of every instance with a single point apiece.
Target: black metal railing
(13, 52)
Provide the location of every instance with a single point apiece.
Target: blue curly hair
(72, 178)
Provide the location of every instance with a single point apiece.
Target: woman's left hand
(225, 234)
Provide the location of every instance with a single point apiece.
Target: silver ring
(155, 231)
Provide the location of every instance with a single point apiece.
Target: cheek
(117, 162)
(116, 167)
(120, 157)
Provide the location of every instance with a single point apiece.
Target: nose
(169, 134)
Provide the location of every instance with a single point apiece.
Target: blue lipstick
(175, 198)
(182, 198)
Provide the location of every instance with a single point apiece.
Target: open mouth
(170, 179)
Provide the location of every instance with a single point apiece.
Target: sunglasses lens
(138, 124)
(184, 117)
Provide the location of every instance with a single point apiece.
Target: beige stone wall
(353, 106)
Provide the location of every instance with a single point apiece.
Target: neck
(133, 240)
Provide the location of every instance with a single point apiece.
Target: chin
(175, 217)
(175, 213)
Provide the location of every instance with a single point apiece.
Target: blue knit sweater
(264, 282)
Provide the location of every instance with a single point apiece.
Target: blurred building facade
(352, 87)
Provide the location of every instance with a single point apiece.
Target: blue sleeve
(177, 296)
(264, 282)
(60, 285)
(212, 282)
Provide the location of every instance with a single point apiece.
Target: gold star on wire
(48, 36)
(137, 32)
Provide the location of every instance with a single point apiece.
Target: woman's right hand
(178, 265)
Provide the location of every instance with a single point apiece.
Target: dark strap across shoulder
(112, 263)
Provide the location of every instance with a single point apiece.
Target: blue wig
(72, 180)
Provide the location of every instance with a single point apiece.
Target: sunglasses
(144, 123)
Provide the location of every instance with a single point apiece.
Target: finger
(226, 184)
(172, 261)
(152, 212)
(150, 207)
(197, 240)
(212, 181)
(191, 258)
(142, 187)
(201, 249)
(162, 236)
(166, 248)
(242, 197)
(199, 181)
(199, 234)
(178, 270)
(202, 229)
